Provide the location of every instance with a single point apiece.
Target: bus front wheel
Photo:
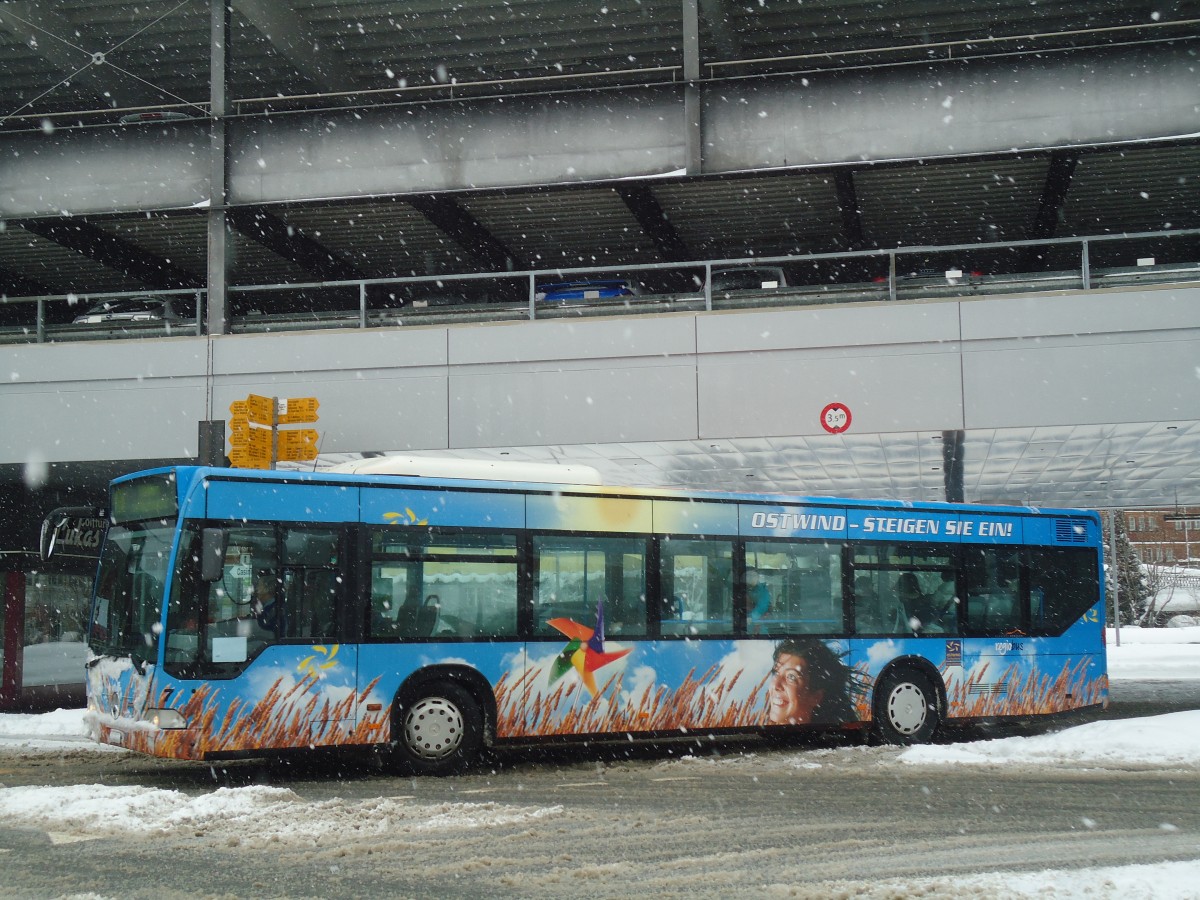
(906, 708)
(439, 730)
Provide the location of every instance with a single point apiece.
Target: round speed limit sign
(835, 418)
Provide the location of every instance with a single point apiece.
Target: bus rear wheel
(906, 708)
(439, 730)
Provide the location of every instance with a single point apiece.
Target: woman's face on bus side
(791, 699)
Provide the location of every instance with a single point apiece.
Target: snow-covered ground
(1171, 741)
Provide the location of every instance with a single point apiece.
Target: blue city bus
(427, 617)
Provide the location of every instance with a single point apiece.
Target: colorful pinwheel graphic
(311, 665)
(584, 651)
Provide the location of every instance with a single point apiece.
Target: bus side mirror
(212, 553)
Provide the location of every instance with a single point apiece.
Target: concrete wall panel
(1087, 358)
(1083, 313)
(102, 401)
(611, 402)
(865, 325)
(783, 393)
(377, 389)
(336, 351)
(1056, 382)
(550, 341)
(108, 420)
(368, 409)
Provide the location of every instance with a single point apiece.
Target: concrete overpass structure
(290, 178)
(1077, 398)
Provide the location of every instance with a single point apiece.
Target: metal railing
(900, 274)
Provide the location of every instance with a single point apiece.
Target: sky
(1171, 741)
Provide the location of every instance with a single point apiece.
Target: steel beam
(847, 195)
(1059, 173)
(650, 215)
(96, 244)
(467, 232)
(289, 34)
(1054, 194)
(290, 243)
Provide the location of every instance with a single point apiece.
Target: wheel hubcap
(433, 728)
(907, 708)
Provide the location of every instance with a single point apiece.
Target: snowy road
(1105, 809)
(765, 821)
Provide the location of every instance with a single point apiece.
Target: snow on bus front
(117, 691)
(124, 630)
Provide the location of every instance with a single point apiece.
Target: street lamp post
(1116, 570)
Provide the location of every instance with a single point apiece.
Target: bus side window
(577, 576)
(993, 583)
(467, 588)
(312, 583)
(1063, 583)
(802, 582)
(697, 586)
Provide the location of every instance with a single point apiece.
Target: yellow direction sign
(250, 448)
(298, 445)
(242, 459)
(298, 410)
(260, 410)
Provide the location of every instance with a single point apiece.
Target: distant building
(1168, 536)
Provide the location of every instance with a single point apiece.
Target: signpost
(255, 439)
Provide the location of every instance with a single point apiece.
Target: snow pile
(47, 732)
(264, 813)
(1157, 741)
(1160, 881)
(1154, 654)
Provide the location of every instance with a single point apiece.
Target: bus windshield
(129, 590)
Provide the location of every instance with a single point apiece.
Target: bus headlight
(166, 718)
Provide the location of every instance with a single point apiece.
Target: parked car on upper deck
(748, 278)
(934, 275)
(134, 309)
(598, 289)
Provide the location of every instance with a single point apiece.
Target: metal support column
(693, 132)
(1114, 567)
(952, 466)
(216, 316)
